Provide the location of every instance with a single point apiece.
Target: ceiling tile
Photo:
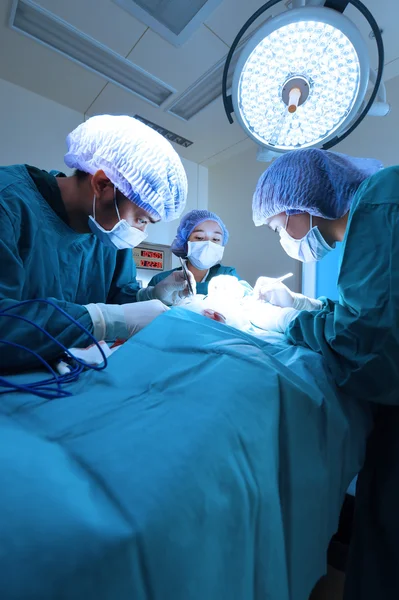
(391, 70)
(230, 16)
(386, 14)
(210, 131)
(179, 67)
(238, 148)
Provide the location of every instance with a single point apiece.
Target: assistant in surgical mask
(121, 236)
(312, 247)
(204, 255)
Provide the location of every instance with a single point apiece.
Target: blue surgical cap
(187, 225)
(313, 181)
(138, 161)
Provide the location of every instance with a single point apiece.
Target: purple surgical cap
(312, 181)
(187, 225)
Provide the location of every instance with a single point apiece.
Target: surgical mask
(121, 236)
(204, 255)
(310, 248)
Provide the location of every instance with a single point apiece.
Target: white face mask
(204, 255)
(310, 248)
(121, 236)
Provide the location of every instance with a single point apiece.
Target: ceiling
(27, 63)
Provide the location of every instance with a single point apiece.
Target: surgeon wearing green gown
(200, 242)
(314, 199)
(70, 239)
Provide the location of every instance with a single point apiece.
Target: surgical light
(302, 79)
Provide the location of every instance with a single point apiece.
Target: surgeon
(313, 199)
(200, 240)
(70, 239)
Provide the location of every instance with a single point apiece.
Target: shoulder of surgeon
(160, 276)
(381, 188)
(17, 193)
(12, 174)
(222, 270)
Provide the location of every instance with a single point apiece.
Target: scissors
(186, 277)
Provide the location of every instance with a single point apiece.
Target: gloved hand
(174, 287)
(119, 322)
(268, 290)
(170, 290)
(273, 318)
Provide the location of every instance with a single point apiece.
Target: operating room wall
(33, 131)
(33, 128)
(253, 251)
(377, 136)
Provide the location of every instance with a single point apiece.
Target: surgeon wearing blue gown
(200, 241)
(313, 199)
(70, 239)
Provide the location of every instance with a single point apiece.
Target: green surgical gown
(42, 257)
(359, 337)
(202, 288)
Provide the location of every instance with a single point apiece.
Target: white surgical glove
(268, 290)
(119, 322)
(170, 290)
(273, 318)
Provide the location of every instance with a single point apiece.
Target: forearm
(16, 329)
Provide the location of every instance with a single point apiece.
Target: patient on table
(229, 301)
(232, 302)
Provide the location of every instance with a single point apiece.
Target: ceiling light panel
(55, 33)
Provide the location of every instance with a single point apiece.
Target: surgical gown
(359, 337)
(202, 287)
(42, 257)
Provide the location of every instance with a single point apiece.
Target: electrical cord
(51, 387)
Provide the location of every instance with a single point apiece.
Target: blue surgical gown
(359, 337)
(42, 257)
(202, 288)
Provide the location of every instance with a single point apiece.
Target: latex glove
(174, 287)
(273, 318)
(119, 322)
(268, 290)
(170, 290)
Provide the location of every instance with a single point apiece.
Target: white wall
(33, 131)
(253, 251)
(377, 137)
